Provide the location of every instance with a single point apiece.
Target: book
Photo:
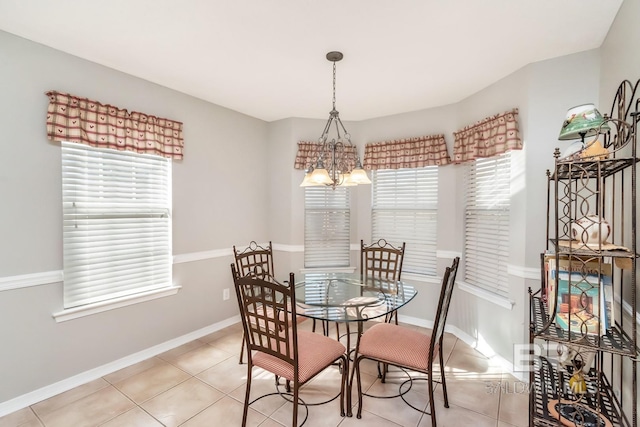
(550, 274)
(578, 303)
(608, 304)
(584, 302)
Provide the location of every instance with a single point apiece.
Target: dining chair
(258, 260)
(254, 259)
(274, 342)
(397, 345)
(382, 260)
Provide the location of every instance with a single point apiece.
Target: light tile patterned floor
(201, 384)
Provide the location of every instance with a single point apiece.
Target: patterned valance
(81, 120)
(308, 153)
(489, 137)
(407, 153)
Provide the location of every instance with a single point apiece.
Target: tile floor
(202, 384)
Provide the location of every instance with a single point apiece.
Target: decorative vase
(590, 230)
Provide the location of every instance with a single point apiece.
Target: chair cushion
(315, 352)
(397, 345)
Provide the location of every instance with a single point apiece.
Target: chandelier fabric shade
(80, 120)
(407, 153)
(489, 137)
(333, 160)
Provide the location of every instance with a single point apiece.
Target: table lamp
(582, 121)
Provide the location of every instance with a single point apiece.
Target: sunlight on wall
(518, 170)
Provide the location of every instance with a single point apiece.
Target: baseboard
(482, 348)
(67, 384)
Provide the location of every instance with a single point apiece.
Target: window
(326, 227)
(116, 224)
(487, 224)
(405, 209)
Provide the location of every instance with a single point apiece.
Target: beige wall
(222, 147)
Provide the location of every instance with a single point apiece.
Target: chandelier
(337, 162)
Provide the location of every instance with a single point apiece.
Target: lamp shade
(582, 121)
(320, 176)
(345, 180)
(307, 181)
(359, 176)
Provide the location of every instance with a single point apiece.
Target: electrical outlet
(225, 294)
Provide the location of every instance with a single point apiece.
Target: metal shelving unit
(598, 385)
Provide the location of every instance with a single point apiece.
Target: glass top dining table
(349, 297)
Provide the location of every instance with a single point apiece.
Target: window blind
(326, 227)
(404, 209)
(487, 223)
(116, 223)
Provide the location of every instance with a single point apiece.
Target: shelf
(551, 384)
(580, 249)
(615, 341)
(590, 168)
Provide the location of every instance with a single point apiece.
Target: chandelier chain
(334, 85)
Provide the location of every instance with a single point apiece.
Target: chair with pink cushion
(382, 260)
(268, 310)
(258, 260)
(378, 260)
(399, 346)
(254, 259)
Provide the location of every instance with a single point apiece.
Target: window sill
(89, 309)
(486, 295)
(328, 270)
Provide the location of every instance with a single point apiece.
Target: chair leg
(343, 383)
(247, 394)
(431, 401)
(244, 341)
(382, 372)
(359, 383)
(443, 379)
(295, 404)
(348, 336)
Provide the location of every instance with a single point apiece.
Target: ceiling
(266, 58)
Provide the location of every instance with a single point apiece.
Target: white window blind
(487, 224)
(116, 223)
(405, 209)
(326, 227)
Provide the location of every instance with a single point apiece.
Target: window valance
(406, 153)
(489, 137)
(80, 120)
(308, 153)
